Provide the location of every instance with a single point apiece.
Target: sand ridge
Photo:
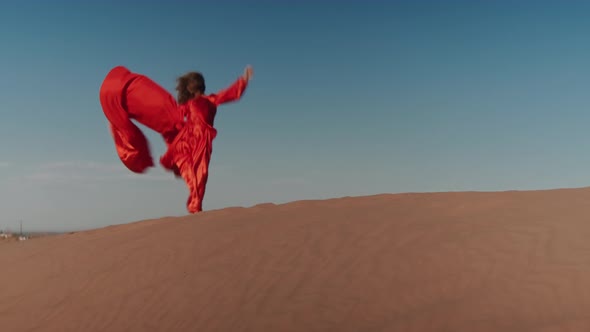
(464, 261)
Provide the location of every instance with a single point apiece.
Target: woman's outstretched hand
(248, 73)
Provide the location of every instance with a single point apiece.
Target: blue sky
(350, 98)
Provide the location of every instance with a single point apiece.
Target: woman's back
(200, 108)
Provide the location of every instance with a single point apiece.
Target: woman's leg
(202, 177)
(195, 172)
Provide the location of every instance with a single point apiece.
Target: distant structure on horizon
(8, 235)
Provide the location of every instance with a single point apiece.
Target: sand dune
(509, 261)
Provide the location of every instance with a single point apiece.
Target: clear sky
(349, 98)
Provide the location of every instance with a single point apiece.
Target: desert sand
(465, 261)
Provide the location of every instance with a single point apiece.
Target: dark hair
(188, 85)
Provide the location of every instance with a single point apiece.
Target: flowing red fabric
(125, 96)
(187, 129)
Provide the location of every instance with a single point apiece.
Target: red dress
(187, 129)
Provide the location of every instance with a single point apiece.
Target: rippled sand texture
(509, 261)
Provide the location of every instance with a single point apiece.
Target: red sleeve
(231, 93)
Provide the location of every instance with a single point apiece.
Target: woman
(186, 124)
